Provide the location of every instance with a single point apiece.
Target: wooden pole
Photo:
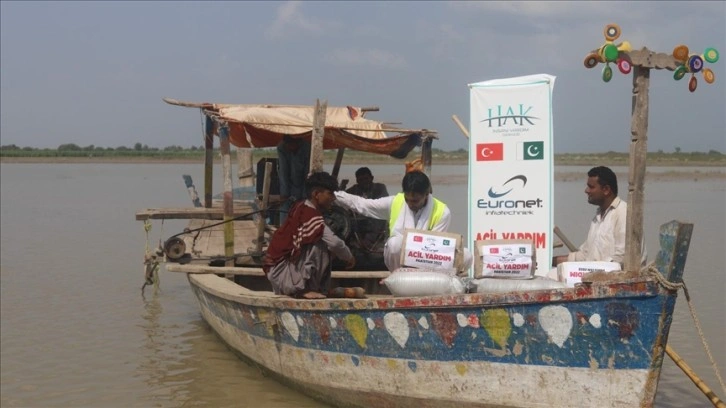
(338, 161)
(263, 207)
(245, 172)
(715, 400)
(316, 144)
(564, 239)
(426, 155)
(460, 125)
(636, 174)
(227, 196)
(192, 190)
(208, 160)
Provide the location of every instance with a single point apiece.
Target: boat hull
(600, 345)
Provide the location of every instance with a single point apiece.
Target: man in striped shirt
(298, 260)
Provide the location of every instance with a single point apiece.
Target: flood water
(75, 330)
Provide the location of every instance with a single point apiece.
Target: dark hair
(320, 180)
(289, 139)
(605, 177)
(363, 171)
(416, 182)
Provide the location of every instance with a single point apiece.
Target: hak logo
(500, 115)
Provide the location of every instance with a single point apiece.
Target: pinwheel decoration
(692, 63)
(611, 52)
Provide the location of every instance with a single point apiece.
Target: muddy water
(75, 330)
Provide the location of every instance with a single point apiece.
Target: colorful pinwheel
(610, 52)
(692, 63)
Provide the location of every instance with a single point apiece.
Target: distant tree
(69, 147)
(138, 147)
(122, 149)
(678, 150)
(9, 147)
(714, 153)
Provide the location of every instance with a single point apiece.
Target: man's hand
(350, 264)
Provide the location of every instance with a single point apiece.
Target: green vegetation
(461, 156)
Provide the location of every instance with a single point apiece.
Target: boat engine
(365, 237)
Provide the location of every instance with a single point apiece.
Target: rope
(151, 261)
(651, 271)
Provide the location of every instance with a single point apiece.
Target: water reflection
(186, 364)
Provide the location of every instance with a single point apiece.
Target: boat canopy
(265, 126)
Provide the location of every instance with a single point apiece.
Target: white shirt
(606, 237)
(380, 208)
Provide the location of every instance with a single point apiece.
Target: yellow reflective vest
(399, 201)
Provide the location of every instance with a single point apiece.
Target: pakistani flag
(530, 151)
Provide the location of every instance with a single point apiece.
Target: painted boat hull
(597, 345)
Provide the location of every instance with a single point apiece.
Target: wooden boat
(599, 344)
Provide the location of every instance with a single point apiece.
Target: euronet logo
(502, 115)
(497, 204)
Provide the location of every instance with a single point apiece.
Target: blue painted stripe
(623, 339)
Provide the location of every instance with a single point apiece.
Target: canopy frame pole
(227, 203)
(209, 126)
(262, 218)
(338, 161)
(316, 143)
(426, 153)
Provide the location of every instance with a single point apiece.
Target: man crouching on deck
(298, 261)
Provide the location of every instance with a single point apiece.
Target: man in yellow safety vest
(415, 208)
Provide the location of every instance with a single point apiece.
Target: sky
(95, 73)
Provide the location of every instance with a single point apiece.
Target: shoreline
(680, 172)
(352, 161)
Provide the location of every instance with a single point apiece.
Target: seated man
(298, 262)
(415, 208)
(606, 238)
(370, 233)
(365, 187)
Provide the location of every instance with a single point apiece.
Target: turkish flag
(489, 151)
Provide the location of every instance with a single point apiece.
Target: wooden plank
(184, 213)
(316, 144)
(245, 171)
(675, 240)
(257, 271)
(648, 59)
(636, 174)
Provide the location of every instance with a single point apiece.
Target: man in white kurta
(606, 237)
(415, 208)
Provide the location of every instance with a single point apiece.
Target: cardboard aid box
(437, 251)
(505, 258)
(571, 272)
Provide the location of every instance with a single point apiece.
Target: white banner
(511, 163)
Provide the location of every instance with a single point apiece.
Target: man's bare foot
(312, 295)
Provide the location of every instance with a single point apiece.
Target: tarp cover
(265, 125)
